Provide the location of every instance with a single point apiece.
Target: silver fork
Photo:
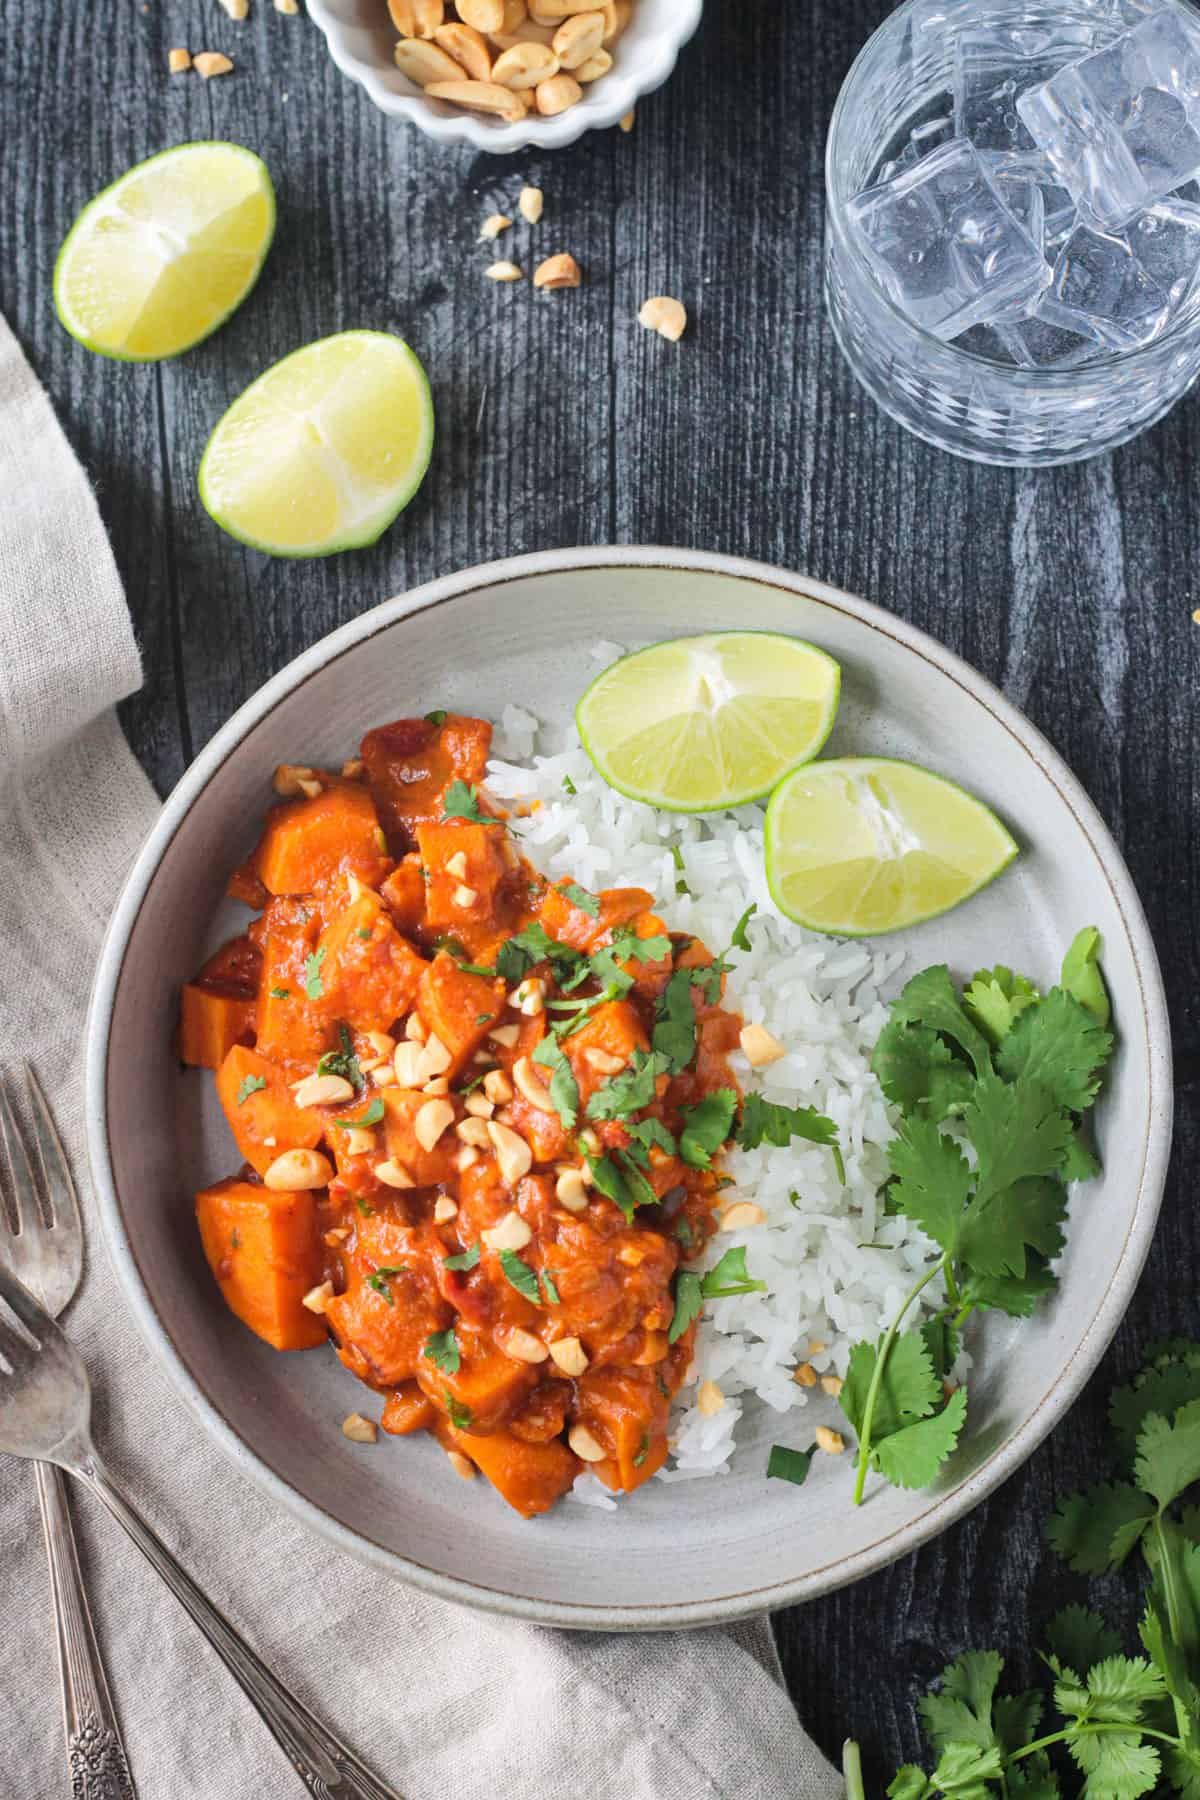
(45, 1412)
(45, 1250)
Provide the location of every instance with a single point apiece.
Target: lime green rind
(1008, 851)
(125, 356)
(373, 529)
(727, 799)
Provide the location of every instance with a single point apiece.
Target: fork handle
(95, 1754)
(324, 1764)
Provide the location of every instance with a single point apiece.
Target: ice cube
(1122, 127)
(985, 340)
(1100, 288)
(994, 64)
(1023, 197)
(1038, 343)
(1166, 242)
(945, 246)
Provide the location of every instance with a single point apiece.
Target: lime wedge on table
(163, 256)
(321, 452)
(700, 723)
(861, 844)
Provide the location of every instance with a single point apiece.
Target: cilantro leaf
(675, 1024)
(1017, 1130)
(460, 1416)
(533, 945)
(942, 1342)
(916, 1067)
(1059, 1045)
(911, 1458)
(568, 786)
(995, 1000)
(1081, 975)
(314, 987)
(909, 1783)
(549, 1288)
(933, 1180)
(962, 1711)
(1080, 1162)
(1156, 1390)
(730, 1277)
(343, 1062)
(739, 939)
(962, 1770)
(995, 1235)
(1080, 1638)
(706, 1126)
(1096, 1530)
(909, 1388)
(638, 1188)
(1016, 1295)
(789, 1465)
(766, 1122)
(579, 896)
(461, 801)
(607, 971)
(608, 1180)
(564, 1089)
(519, 1275)
(929, 999)
(632, 1089)
(646, 1132)
(627, 946)
(1168, 1454)
(1033, 1779)
(250, 1084)
(466, 1259)
(380, 1278)
(281, 993)
(372, 1116)
(688, 1302)
(442, 1350)
(1017, 1717)
(437, 717)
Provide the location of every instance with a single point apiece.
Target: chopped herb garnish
(437, 716)
(627, 946)
(681, 886)
(314, 987)
(675, 1026)
(789, 1465)
(765, 1122)
(607, 970)
(730, 1277)
(460, 1416)
(443, 1352)
(281, 993)
(484, 1018)
(643, 1450)
(467, 1259)
(564, 1089)
(364, 933)
(579, 896)
(685, 1233)
(462, 802)
(533, 945)
(368, 1212)
(379, 1280)
(632, 1089)
(235, 1242)
(706, 1127)
(372, 1116)
(688, 1302)
(569, 785)
(609, 1181)
(469, 968)
(646, 1132)
(640, 1191)
(549, 1288)
(252, 1084)
(708, 977)
(519, 1275)
(343, 1062)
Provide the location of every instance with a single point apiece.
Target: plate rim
(943, 1509)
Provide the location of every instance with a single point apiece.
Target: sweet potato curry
(477, 1114)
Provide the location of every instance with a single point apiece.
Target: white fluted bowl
(362, 41)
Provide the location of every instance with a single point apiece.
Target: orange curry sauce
(438, 1210)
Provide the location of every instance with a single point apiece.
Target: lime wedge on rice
(861, 844)
(162, 257)
(321, 452)
(700, 723)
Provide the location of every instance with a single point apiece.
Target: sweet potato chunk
(482, 870)
(384, 1319)
(265, 1251)
(531, 1477)
(407, 1410)
(369, 974)
(258, 1103)
(626, 1412)
(404, 895)
(427, 1167)
(210, 1024)
(614, 1028)
(486, 1389)
(410, 764)
(460, 1008)
(307, 842)
(575, 925)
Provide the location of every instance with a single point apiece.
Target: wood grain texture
(561, 423)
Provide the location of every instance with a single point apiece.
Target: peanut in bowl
(504, 74)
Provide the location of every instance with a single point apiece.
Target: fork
(45, 1250)
(45, 1414)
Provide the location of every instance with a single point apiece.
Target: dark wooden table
(561, 423)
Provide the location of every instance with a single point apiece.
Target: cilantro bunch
(1125, 1725)
(994, 1086)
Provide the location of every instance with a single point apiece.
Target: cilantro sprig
(343, 1061)
(1014, 1073)
(461, 801)
(1125, 1725)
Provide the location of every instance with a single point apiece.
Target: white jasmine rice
(836, 1269)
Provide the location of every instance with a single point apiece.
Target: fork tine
(58, 1189)
(21, 1302)
(14, 1158)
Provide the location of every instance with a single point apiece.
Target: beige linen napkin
(441, 1702)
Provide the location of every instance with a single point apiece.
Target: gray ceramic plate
(680, 1554)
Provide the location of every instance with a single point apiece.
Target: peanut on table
(508, 57)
